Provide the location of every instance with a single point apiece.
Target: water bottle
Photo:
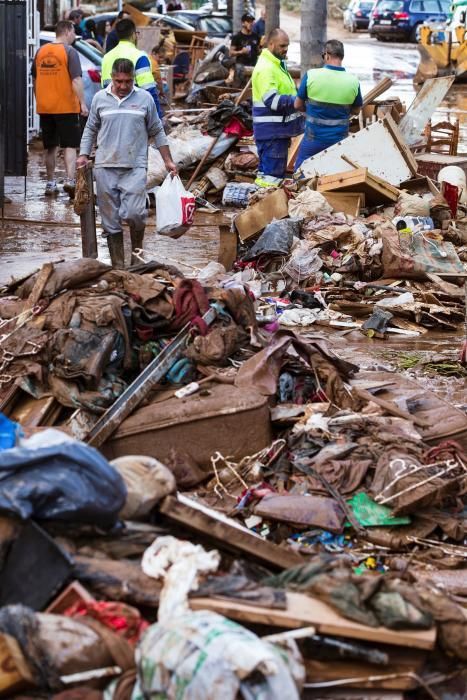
(414, 223)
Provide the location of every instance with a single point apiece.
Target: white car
(91, 61)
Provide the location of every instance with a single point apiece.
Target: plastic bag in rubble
(147, 482)
(68, 482)
(175, 208)
(412, 205)
(303, 262)
(309, 204)
(187, 147)
(276, 239)
(203, 656)
(179, 563)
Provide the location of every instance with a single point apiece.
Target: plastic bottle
(414, 223)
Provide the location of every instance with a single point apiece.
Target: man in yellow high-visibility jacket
(126, 48)
(275, 119)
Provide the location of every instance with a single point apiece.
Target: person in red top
(59, 91)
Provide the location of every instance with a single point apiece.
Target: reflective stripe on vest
(270, 119)
(327, 122)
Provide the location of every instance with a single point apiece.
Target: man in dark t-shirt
(245, 45)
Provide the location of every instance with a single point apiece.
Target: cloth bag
(412, 257)
(175, 208)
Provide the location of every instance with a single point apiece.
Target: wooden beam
(226, 532)
(304, 610)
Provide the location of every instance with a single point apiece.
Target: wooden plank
(401, 144)
(347, 202)
(293, 151)
(378, 90)
(227, 247)
(228, 532)
(303, 610)
(260, 214)
(359, 180)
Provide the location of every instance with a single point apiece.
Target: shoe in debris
(51, 188)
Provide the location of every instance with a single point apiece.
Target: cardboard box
(259, 215)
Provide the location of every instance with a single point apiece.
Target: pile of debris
(288, 522)
(196, 491)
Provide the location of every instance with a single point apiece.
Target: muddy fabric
(191, 303)
(66, 275)
(217, 346)
(368, 599)
(237, 586)
(345, 475)
(82, 354)
(263, 369)
(450, 619)
(313, 511)
(22, 624)
(417, 495)
(117, 580)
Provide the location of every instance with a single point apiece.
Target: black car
(215, 24)
(357, 14)
(400, 19)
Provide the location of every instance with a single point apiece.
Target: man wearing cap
(329, 95)
(244, 46)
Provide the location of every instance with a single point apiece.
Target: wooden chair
(442, 137)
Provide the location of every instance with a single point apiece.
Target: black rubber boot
(115, 243)
(137, 238)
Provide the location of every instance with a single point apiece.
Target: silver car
(91, 61)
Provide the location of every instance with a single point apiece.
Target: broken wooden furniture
(358, 181)
(442, 137)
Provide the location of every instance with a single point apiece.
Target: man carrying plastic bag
(122, 120)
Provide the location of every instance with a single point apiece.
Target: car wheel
(413, 34)
(380, 37)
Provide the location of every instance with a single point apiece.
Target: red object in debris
(122, 619)
(451, 195)
(236, 128)
(95, 75)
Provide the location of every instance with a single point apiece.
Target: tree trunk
(230, 8)
(273, 9)
(237, 15)
(215, 5)
(313, 33)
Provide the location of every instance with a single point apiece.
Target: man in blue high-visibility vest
(329, 95)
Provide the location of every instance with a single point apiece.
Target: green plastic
(371, 514)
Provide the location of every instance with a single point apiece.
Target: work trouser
(121, 198)
(309, 147)
(272, 167)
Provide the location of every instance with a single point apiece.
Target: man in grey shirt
(122, 120)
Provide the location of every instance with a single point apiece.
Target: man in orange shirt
(59, 91)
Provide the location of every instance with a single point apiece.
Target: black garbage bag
(276, 239)
(68, 482)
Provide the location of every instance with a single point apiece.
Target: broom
(463, 352)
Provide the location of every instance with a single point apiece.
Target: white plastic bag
(175, 208)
